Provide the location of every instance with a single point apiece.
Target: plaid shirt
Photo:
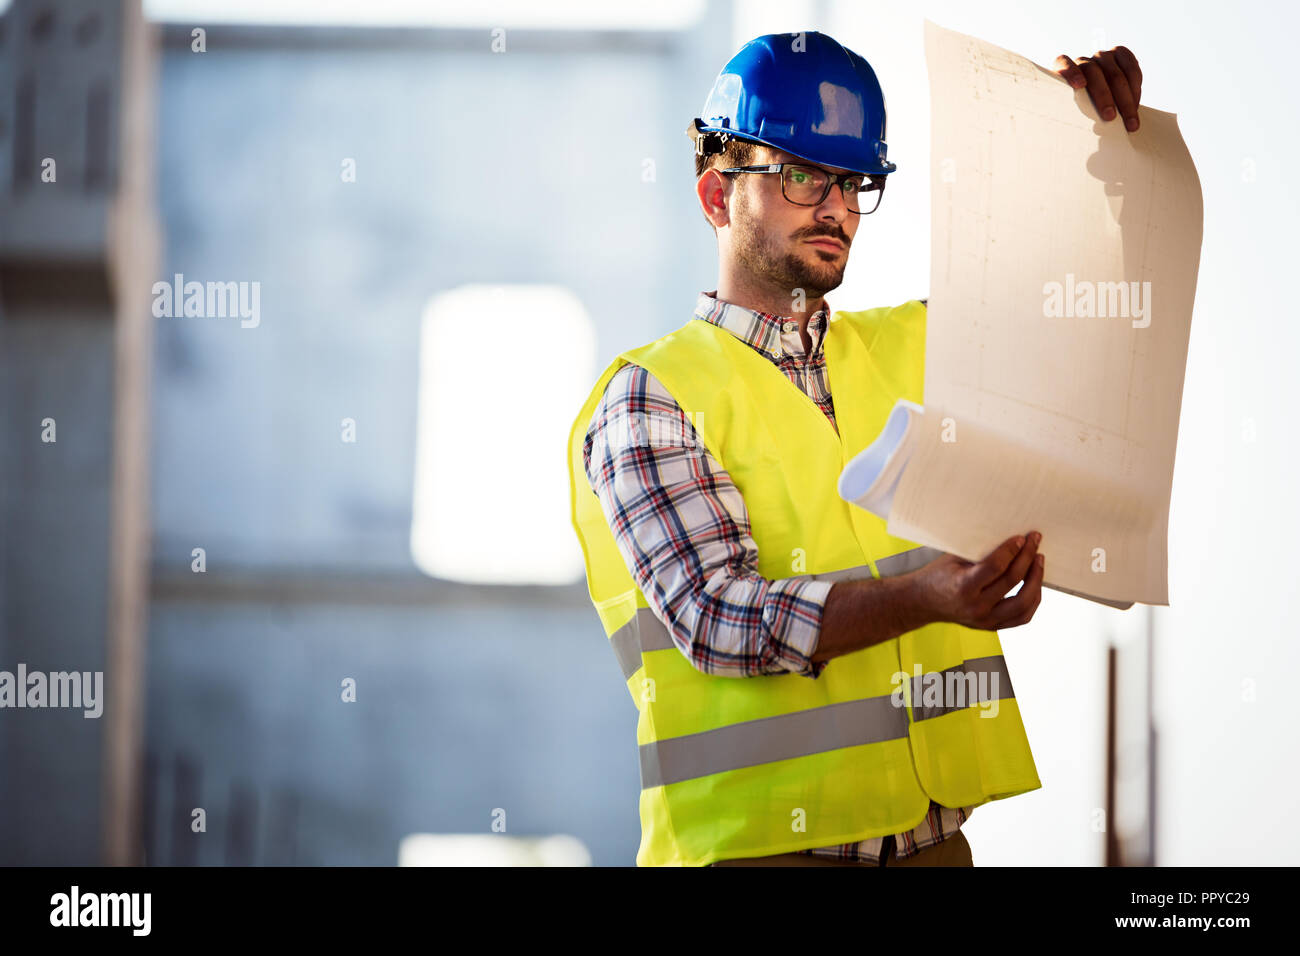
(682, 528)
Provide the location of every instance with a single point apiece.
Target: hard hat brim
(699, 127)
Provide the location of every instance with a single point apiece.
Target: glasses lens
(806, 186)
(853, 188)
(872, 189)
(803, 185)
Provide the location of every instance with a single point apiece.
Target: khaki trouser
(954, 851)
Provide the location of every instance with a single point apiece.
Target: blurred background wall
(453, 221)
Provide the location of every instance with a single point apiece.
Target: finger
(1020, 609)
(1129, 64)
(1018, 568)
(1098, 88)
(1066, 68)
(1120, 90)
(985, 572)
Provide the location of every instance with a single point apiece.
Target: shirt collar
(760, 330)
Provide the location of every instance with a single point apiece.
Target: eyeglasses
(806, 185)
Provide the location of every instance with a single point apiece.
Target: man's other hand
(1114, 82)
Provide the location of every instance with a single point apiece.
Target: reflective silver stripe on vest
(644, 632)
(978, 680)
(817, 730)
(906, 561)
(844, 574)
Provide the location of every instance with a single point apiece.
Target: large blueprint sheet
(1063, 271)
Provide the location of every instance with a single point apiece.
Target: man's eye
(799, 178)
(853, 185)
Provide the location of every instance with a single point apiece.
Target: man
(811, 689)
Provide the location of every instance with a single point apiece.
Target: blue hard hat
(802, 93)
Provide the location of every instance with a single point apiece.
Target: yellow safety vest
(743, 767)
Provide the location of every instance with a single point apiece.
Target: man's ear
(714, 192)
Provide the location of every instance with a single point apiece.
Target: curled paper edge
(871, 478)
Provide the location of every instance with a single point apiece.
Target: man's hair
(737, 152)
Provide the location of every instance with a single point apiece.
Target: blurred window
(503, 372)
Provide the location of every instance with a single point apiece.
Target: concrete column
(79, 252)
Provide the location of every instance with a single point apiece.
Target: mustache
(827, 233)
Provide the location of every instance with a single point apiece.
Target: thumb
(993, 566)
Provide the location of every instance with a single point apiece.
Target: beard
(763, 255)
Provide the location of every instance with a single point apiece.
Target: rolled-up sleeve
(681, 525)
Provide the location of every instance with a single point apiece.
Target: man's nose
(833, 206)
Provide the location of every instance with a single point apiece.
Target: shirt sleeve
(681, 525)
